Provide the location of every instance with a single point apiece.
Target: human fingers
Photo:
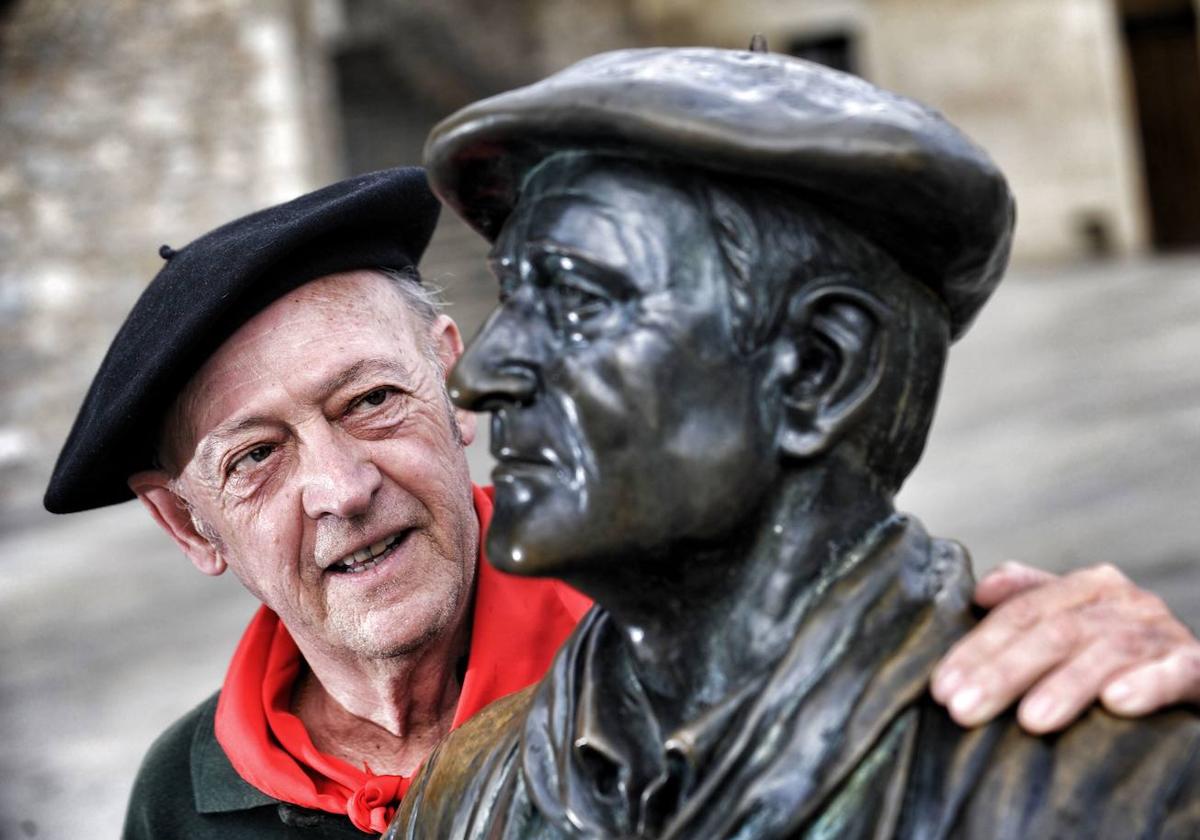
(1008, 579)
(1112, 659)
(1044, 628)
(994, 685)
(999, 630)
(1171, 679)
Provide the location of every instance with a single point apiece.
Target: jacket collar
(217, 786)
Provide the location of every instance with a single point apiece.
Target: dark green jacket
(186, 788)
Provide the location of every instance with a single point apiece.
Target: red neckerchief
(519, 623)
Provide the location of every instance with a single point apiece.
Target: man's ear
(447, 340)
(830, 362)
(153, 489)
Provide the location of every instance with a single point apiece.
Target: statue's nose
(497, 369)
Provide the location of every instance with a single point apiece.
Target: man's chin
(394, 629)
(379, 640)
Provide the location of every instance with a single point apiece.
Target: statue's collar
(596, 756)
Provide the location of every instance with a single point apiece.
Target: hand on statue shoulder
(1059, 643)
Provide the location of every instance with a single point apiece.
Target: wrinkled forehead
(307, 337)
(314, 321)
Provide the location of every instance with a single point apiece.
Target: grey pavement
(1069, 429)
(1069, 433)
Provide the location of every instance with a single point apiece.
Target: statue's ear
(830, 361)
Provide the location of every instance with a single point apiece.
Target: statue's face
(625, 423)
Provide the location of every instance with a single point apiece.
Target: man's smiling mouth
(369, 557)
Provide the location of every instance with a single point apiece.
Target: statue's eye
(505, 271)
(577, 305)
(577, 312)
(573, 298)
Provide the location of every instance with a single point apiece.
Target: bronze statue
(728, 282)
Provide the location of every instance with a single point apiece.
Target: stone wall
(128, 123)
(123, 125)
(1043, 87)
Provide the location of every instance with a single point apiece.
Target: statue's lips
(522, 450)
(511, 466)
(508, 455)
(511, 463)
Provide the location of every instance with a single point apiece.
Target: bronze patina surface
(728, 285)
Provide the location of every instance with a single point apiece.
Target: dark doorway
(1164, 60)
(384, 120)
(833, 49)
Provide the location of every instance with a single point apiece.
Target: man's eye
(256, 455)
(371, 399)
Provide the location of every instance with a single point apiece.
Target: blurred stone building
(127, 124)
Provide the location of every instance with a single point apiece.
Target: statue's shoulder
(463, 778)
(1144, 772)
(485, 739)
(1103, 777)
(478, 736)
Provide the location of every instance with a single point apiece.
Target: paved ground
(1069, 432)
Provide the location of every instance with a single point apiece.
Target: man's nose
(500, 367)
(340, 479)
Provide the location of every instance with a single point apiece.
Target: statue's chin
(509, 547)
(532, 511)
(503, 554)
(515, 549)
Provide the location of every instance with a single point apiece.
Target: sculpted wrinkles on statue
(728, 286)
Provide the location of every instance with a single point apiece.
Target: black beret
(895, 171)
(209, 289)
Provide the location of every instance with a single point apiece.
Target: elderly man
(728, 281)
(276, 401)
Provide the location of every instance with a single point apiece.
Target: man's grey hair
(424, 300)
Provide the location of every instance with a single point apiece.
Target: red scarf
(519, 623)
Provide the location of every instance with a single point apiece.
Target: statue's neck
(700, 623)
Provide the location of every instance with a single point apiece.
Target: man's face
(321, 449)
(625, 423)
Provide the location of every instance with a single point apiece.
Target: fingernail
(1118, 691)
(1122, 697)
(950, 681)
(1042, 711)
(966, 701)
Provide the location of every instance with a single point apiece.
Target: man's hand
(1088, 634)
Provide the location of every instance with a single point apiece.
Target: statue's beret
(895, 171)
(209, 289)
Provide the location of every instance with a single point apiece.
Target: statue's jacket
(840, 740)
